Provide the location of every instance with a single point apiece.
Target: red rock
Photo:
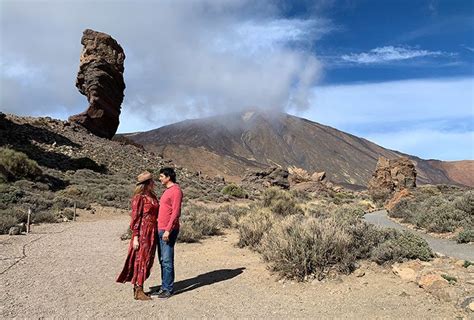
(100, 79)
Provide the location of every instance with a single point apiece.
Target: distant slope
(230, 144)
(459, 171)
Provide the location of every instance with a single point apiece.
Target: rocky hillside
(48, 165)
(231, 144)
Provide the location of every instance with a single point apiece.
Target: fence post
(74, 218)
(28, 221)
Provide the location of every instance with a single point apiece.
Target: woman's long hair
(144, 188)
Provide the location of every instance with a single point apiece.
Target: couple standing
(154, 225)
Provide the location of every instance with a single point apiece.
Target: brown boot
(140, 295)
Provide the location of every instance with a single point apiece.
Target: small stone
(432, 281)
(359, 273)
(404, 273)
(14, 231)
(459, 263)
(404, 294)
(471, 306)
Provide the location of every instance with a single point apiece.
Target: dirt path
(447, 247)
(68, 270)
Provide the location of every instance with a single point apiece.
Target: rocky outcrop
(274, 176)
(390, 176)
(100, 79)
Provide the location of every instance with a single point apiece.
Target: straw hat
(144, 176)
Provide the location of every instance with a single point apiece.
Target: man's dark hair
(169, 172)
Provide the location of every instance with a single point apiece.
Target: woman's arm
(137, 213)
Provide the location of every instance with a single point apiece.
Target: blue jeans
(166, 258)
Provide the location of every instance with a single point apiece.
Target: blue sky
(399, 73)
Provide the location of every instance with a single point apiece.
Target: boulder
(100, 79)
(14, 231)
(318, 176)
(390, 176)
(274, 176)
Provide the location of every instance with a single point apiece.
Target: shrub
(403, 209)
(45, 217)
(302, 246)
(127, 235)
(466, 202)
(450, 279)
(234, 191)
(7, 221)
(280, 202)
(16, 165)
(438, 216)
(465, 236)
(189, 234)
(402, 246)
(253, 227)
(286, 208)
(198, 222)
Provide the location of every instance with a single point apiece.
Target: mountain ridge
(230, 144)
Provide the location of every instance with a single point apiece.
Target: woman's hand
(135, 243)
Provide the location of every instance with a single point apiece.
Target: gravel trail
(68, 270)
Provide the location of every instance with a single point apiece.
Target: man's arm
(176, 199)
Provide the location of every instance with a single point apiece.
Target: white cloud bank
(390, 54)
(182, 58)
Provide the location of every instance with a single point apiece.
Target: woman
(141, 251)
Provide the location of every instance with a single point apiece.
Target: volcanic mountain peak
(230, 144)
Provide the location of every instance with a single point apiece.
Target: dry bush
(45, 217)
(200, 221)
(254, 226)
(7, 220)
(281, 202)
(301, 246)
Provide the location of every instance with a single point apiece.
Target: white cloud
(183, 59)
(389, 54)
(428, 143)
(437, 112)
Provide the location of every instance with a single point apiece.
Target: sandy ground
(68, 270)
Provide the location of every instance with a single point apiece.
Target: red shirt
(170, 208)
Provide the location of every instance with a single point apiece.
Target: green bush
(234, 191)
(402, 246)
(281, 202)
(404, 209)
(465, 236)
(16, 165)
(302, 246)
(466, 202)
(438, 215)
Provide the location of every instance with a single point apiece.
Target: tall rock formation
(100, 79)
(390, 176)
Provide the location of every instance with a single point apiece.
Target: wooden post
(28, 221)
(74, 218)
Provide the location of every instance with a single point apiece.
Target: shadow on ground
(202, 280)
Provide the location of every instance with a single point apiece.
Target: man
(168, 229)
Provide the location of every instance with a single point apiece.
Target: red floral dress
(143, 224)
